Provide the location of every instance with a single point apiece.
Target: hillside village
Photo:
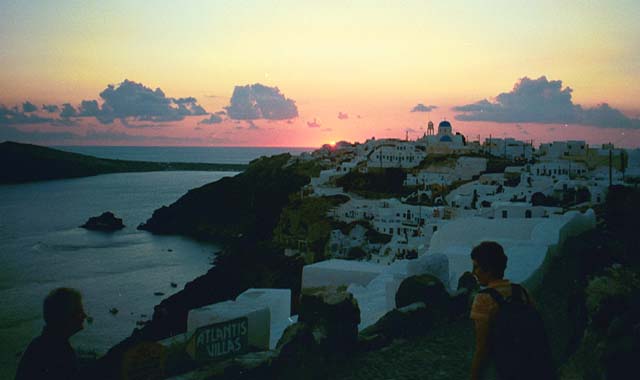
(447, 179)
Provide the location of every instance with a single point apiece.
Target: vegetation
(588, 291)
(437, 160)
(25, 162)
(376, 237)
(356, 253)
(304, 224)
(498, 164)
(377, 184)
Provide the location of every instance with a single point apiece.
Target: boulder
(328, 303)
(327, 330)
(423, 288)
(332, 310)
(105, 222)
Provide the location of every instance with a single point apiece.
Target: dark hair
(490, 257)
(59, 305)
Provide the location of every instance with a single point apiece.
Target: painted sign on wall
(219, 340)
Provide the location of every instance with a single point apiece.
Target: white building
(526, 241)
(508, 148)
(396, 154)
(559, 149)
(558, 168)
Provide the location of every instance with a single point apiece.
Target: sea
(121, 275)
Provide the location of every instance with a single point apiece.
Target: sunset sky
(349, 69)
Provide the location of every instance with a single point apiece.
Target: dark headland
(25, 163)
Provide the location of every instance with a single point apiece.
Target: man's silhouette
(50, 356)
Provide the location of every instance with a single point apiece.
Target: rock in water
(105, 222)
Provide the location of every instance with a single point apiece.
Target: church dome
(444, 124)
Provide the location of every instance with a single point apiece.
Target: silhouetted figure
(50, 355)
(510, 336)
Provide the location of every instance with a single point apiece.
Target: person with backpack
(511, 342)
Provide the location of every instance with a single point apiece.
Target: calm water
(220, 155)
(41, 248)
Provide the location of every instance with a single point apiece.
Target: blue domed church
(445, 138)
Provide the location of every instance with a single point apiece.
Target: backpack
(518, 341)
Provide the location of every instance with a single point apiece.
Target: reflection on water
(42, 247)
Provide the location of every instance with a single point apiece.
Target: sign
(145, 361)
(219, 340)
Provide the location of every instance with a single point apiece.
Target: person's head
(63, 311)
(489, 262)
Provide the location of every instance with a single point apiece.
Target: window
(504, 214)
(527, 214)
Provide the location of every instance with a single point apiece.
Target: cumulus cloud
(15, 116)
(29, 107)
(542, 101)
(422, 108)
(313, 124)
(189, 106)
(134, 100)
(68, 111)
(604, 115)
(89, 108)
(127, 101)
(51, 108)
(257, 101)
(213, 119)
(342, 116)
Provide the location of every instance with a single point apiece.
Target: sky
(292, 73)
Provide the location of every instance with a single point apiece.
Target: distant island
(25, 163)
